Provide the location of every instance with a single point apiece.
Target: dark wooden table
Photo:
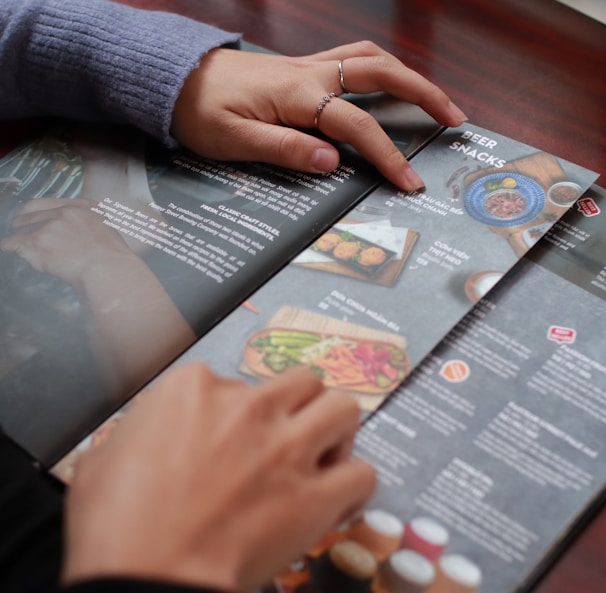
(532, 70)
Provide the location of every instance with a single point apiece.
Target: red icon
(588, 207)
(561, 335)
(455, 371)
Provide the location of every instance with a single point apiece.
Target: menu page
(370, 298)
(502, 418)
(496, 445)
(137, 252)
(104, 290)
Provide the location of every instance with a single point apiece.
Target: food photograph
(367, 363)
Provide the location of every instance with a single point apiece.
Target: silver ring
(323, 103)
(341, 80)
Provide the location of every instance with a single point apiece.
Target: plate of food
(353, 251)
(342, 362)
(504, 199)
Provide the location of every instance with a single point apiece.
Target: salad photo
(343, 362)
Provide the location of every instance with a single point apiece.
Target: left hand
(251, 106)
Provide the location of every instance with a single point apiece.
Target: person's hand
(210, 481)
(248, 106)
(67, 239)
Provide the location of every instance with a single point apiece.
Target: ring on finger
(341, 78)
(323, 103)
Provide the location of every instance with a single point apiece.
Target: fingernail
(411, 180)
(324, 160)
(457, 115)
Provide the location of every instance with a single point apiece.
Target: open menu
(120, 259)
(366, 301)
(116, 255)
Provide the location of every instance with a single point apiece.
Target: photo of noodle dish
(504, 199)
(342, 362)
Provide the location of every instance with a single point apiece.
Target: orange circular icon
(455, 371)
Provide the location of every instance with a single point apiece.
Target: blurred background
(593, 8)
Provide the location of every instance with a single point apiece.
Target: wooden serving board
(368, 395)
(545, 170)
(387, 276)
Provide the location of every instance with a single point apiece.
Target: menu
(480, 374)
(104, 291)
(471, 343)
(494, 449)
(369, 299)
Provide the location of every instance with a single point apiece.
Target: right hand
(210, 481)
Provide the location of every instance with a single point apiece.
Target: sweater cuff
(99, 61)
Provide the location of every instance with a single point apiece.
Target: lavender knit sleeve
(98, 60)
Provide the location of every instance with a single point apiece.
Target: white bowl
(564, 193)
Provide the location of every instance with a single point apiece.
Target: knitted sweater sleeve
(98, 60)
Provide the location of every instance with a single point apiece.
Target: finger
(386, 73)
(23, 222)
(200, 379)
(41, 211)
(45, 204)
(343, 490)
(350, 50)
(278, 145)
(347, 123)
(24, 247)
(290, 391)
(367, 68)
(297, 150)
(326, 428)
